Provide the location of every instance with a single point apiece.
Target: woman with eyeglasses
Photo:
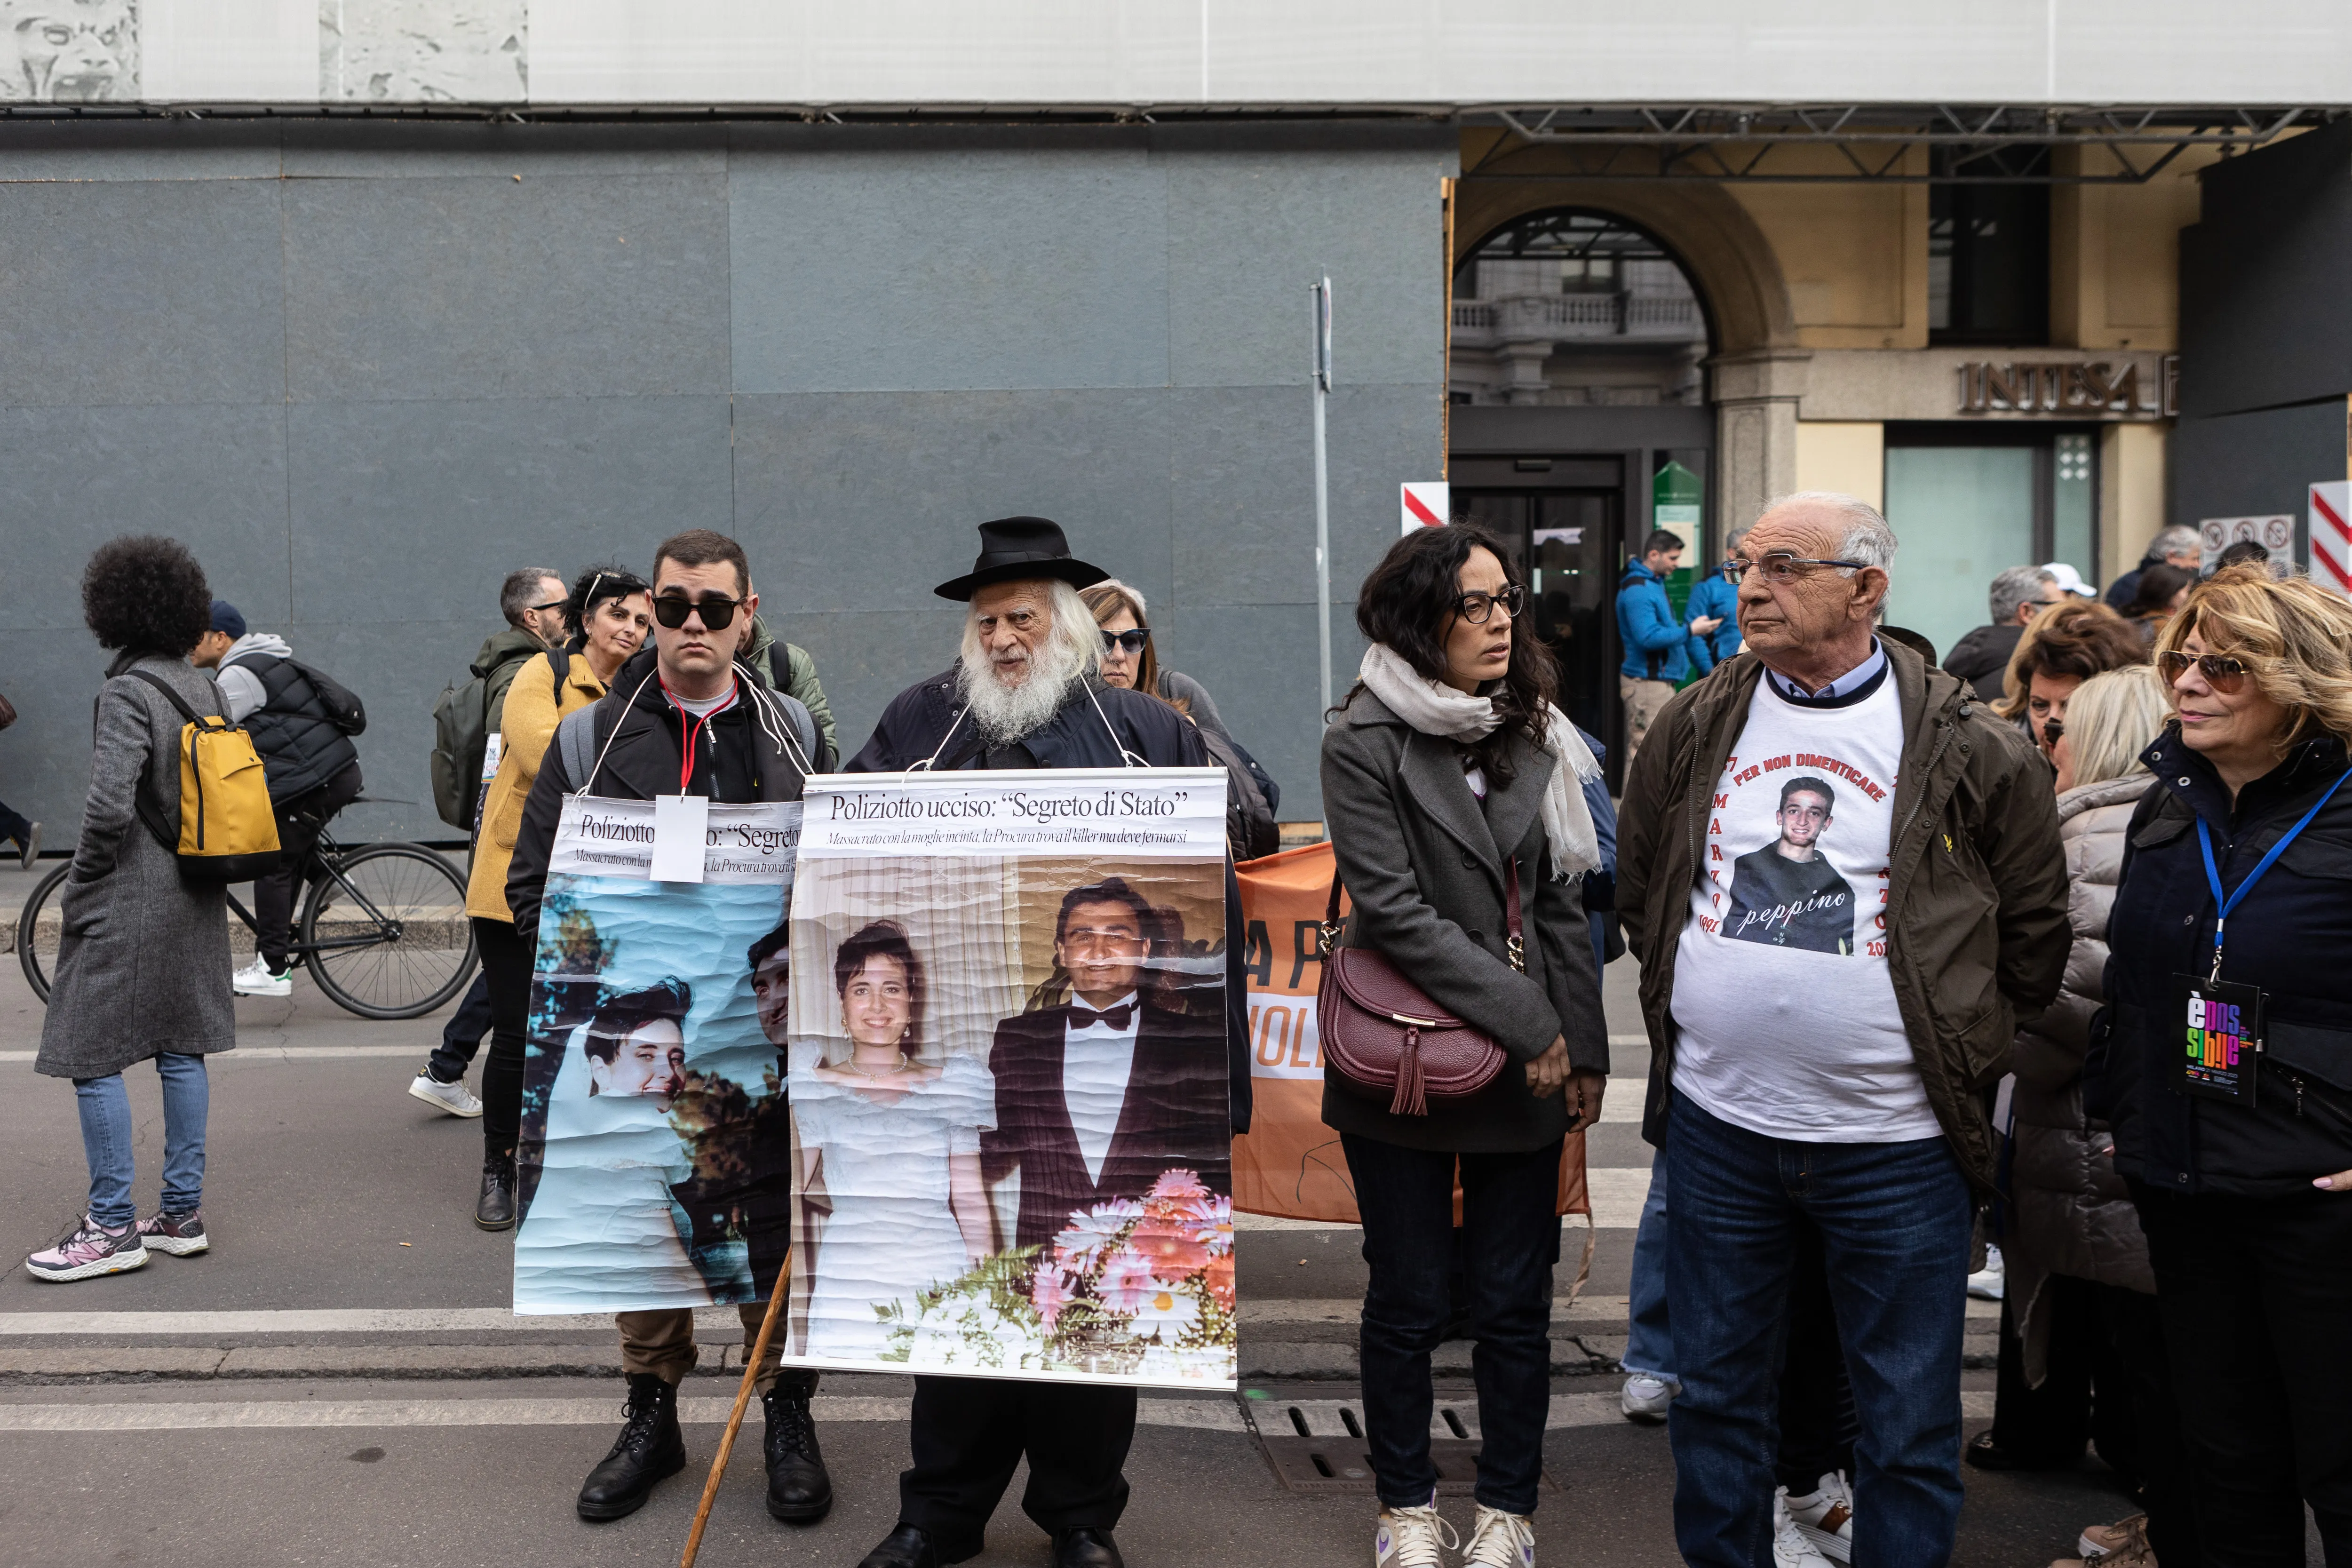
(1129, 659)
(611, 612)
(1449, 780)
(2225, 1071)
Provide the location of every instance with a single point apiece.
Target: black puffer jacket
(748, 752)
(2290, 937)
(301, 745)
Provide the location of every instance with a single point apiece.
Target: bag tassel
(1409, 1100)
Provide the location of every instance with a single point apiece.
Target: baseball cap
(226, 620)
(2066, 577)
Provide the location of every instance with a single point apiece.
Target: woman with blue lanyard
(2226, 1068)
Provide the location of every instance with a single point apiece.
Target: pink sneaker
(181, 1234)
(90, 1250)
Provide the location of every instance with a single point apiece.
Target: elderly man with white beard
(1025, 694)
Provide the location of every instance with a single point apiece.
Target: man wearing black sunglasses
(678, 720)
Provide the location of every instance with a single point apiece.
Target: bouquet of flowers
(1129, 1285)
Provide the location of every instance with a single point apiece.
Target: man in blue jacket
(1715, 597)
(1657, 641)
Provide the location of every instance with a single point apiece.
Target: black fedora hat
(1018, 550)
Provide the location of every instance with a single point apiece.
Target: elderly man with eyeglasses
(1838, 1084)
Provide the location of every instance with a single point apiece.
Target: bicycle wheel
(384, 932)
(39, 928)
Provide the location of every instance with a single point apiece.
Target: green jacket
(502, 654)
(1976, 932)
(798, 680)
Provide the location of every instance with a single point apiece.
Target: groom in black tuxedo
(1096, 1098)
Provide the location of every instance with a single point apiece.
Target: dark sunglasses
(1476, 608)
(718, 614)
(2222, 672)
(1132, 641)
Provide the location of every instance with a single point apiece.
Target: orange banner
(1289, 1165)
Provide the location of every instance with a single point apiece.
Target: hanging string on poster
(654, 1165)
(1008, 1077)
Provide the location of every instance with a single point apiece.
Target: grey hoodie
(241, 688)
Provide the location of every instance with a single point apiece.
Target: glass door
(1565, 541)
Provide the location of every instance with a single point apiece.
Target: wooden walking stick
(735, 1418)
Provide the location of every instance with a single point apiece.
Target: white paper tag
(491, 753)
(681, 827)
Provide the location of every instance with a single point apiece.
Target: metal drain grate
(1318, 1444)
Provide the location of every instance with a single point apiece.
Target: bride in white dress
(895, 1146)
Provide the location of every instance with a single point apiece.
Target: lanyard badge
(2221, 1024)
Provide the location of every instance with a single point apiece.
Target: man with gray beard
(1025, 694)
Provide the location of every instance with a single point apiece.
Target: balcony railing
(1570, 317)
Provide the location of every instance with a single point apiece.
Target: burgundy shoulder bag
(1388, 1039)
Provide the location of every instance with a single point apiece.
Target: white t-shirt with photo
(1783, 1003)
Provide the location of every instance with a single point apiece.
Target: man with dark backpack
(301, 722)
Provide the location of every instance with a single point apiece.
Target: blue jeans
(1649, 1340)
(107, 1138)
(1510, 1240)
(1893, 1220)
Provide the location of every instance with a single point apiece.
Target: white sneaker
(1501, 1540)
(1645, 1398)
(1790, 1547)
(1985, 1283)
(1825, 1517)
(1413, 1537)
(454, 1098)
(255, 980)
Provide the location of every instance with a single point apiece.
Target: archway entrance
(1579, 424)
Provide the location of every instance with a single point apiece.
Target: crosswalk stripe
(1198, 1414)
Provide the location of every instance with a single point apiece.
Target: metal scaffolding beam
(1983, 143)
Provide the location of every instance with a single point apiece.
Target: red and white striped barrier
(2331, 535)
(1426, 503)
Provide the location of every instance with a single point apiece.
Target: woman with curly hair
(144, 968)
(2226, 1070)
(2062, 647)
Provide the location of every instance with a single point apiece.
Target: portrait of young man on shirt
(1099, 1096)
(1788, 894)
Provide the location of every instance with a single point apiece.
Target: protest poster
(1008, 1077)
(1288, 1164)
(653, 1166)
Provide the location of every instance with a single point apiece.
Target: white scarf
(1435, 708)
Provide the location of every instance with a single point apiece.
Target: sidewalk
(341, 1381)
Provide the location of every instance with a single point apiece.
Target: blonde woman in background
(2079, 1293)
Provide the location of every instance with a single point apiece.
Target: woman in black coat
(2246, 1203)
(1444, 764)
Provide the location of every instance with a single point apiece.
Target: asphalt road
(338, 1381)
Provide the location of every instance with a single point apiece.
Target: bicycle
(379, 930)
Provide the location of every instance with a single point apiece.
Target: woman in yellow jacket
(611, 611)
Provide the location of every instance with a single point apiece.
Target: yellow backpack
(228, 830)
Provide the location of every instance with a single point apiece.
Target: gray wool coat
(1418, 854)
(144, 965)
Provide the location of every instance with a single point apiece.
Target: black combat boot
(649, 1448)
(495, 1209)
(799, 1491)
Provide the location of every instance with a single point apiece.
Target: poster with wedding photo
(1008, 1078)
(654, 1168)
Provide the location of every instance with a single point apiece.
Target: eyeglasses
(551, 604)
(718, 614)
(1779, 568)
(1132, 641)
(2222, 672)
(1476, 608)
